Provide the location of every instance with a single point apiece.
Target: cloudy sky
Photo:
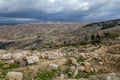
(58, 10)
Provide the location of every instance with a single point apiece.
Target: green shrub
(96, 41)
(11, 66)
(3, 45)
(80, 60)
(84, 75)
(69, 75)
(68, 63)
(92, 50)
(2, 75)
(111, 35)
(84, 42)
(46, 75)
(1, 65)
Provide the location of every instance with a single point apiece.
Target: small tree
(92, 37)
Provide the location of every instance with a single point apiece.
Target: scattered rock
(86, 64)
(73, 61)
(81, 68)
(32, 59)
(37, 53)
(72, 69)
(14, 76)
(53, 66)
(62, 76)
(17, 57)
(104, 69)
(22, 63)
(27, 53)
(87, 69)
(75, 73)
(2, 51)
(95, 70)
(7, 56)
(43, 55)
(85, 55)
(101, 63)
(92, 69)
(83, 79)
(10, 62)
(98, 58)
(54, 55)
(82, 55)
(109, 78)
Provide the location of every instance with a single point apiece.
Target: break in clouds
(58, 10)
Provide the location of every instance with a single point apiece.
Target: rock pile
(20, 58)
(23, 58)
(52, 55)
(84, 67)
(85, 55)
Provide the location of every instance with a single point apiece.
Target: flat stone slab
(32, 59)
(14, 76)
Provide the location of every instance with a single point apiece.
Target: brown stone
(81, 68)
(87, 69)
(86, 64)
(104, 69)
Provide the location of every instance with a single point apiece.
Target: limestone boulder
(6, 56)
(62, 76)
(10, 62)
(54, 55)
(53, 66)
(37, 53)
(81, 68)
(75, 73)
(73, 61)
(14, 76)
(72, 69)
(86, 64)
(17, 57)
(32, 59)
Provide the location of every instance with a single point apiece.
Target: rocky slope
(67, 51)
(79, 63)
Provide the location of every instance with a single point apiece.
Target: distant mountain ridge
(105, 24)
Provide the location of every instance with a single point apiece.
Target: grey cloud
(59, 10)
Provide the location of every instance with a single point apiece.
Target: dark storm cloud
(58, 10)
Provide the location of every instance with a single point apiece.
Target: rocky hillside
(88, 62)
(31, 36)
(60, 51)
(36, 35)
